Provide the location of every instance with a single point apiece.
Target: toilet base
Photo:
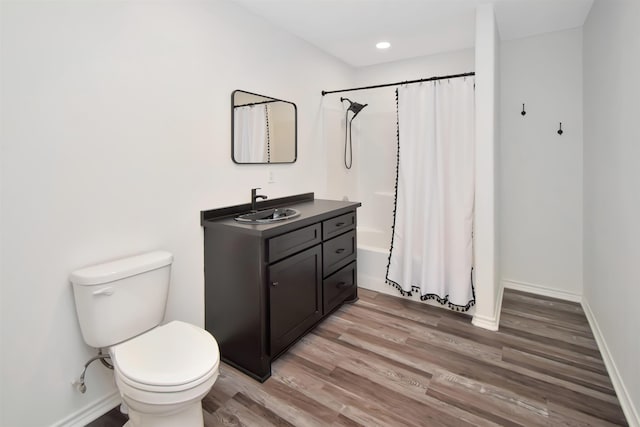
(191, 416)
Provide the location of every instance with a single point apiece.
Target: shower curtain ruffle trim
(395, 204)
(441, 300)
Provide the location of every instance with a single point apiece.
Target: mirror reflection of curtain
(251, 134)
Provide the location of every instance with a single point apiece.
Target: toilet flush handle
(104, 291)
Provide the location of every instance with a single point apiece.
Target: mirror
(263, 129)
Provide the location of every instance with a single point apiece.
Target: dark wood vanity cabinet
(268, 285)
(295, 297)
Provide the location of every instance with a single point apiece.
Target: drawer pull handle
(274, 284)
(339, 224)
(342, 285)
(339, 251)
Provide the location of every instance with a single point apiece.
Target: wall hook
(560, 132)
(523, 112)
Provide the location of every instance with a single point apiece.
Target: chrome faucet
(255, 197)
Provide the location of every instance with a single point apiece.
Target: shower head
(356, 108)
(353, 106)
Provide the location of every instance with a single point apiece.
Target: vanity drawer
(338, 252)
(288, 244)
(338, 287)
(338, 225)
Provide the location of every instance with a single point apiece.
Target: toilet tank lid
(114, 270)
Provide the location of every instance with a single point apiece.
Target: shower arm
(355, 107)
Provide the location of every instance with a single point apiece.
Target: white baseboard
(374, 284)
(490, 323)
(90, 412)
(541, 290)
(485, 323)
(630, 411)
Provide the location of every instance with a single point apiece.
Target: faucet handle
(255, 197)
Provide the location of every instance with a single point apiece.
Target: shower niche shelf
(267, 285)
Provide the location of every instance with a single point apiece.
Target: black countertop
(311, 211)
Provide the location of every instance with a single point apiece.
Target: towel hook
(523, 112)
(560, 131)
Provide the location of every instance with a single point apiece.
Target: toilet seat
(170, 358)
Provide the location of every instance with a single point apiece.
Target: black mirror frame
(295, 117)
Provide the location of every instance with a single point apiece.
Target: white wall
(541, 207)
(611, 191)
(497, 171)
(115, 134)
(486, 240)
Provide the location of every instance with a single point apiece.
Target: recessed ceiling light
(383, 45)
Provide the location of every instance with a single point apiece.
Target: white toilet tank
(118, 300)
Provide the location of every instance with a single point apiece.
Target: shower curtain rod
(452, 76)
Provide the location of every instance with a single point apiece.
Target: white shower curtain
(431, 249)
(250, 134)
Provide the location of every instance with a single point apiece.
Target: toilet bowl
(162, 371)
(163, 374)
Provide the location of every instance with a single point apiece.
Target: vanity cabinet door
(295, 297)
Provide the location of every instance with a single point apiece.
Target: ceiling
(349, 29)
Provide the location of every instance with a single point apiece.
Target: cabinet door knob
(339, 251)
(274, 284)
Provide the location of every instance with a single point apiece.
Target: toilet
(162, 371)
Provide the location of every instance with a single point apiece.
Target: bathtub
(373, 257)
(375, 219)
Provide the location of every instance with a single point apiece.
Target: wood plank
(499, 405)
(536, 347)
(352, 405)
(401, 381)
(400, 310)
(262, 412)
(419, 415)
(561, 416)
(562, 371)
(533, 383)
(549, 329)
(235, 413)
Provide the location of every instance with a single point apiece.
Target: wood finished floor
(392, 362)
